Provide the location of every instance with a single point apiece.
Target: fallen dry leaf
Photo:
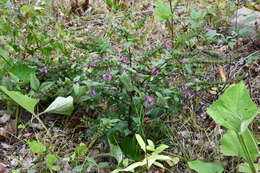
(8, 130)
(2, 168)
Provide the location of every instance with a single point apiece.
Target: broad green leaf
(159, 157)
(22, 71)
(230, 139)
(34, 82)
(205, 167)
(45, 86)
(150, 162)
(244, 167)
(135, 165)
(140, 142)
(150, 146)
(116, 151)
(158, 164)
(61, 105)
(3, 52)
(81, 150)
(50, 159)
(130, 148)
(234, 109)
(36, 147)
(23, 100)
(161, 148)
(163, 11)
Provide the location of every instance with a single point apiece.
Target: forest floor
(216, 58)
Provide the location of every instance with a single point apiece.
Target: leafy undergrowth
(124, 87)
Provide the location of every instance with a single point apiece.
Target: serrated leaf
(61, 105)
(234, 109)
(23, 100)
(205, 167)
(141, 142)
(230, 139)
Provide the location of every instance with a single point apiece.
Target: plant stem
(247, 154)
(42, 123)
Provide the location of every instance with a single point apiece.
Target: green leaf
(230, 139)
(150, 146)
(45, 86)
(61, 105)
(130, 148)
(116, 151)
(234, 109)
(131, 167)
(81, 150)
(50, 159)
(23, 100)
(244, 167)
(36, 147)
(127, 82)
(163, 11)
(161, 148)
(3, 51)
(34, 82)
(205, 167)
(140, 142)
(22, 71)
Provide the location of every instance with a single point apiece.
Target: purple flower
(152, 14)
(107, 76)
(92, 92)
(44, 70)
(167, 45)
(92, 65)
(185, 107)
(184, 88)
(154, 71)
(149, 100)
(209, 29)
(182, 61)
(188, 95)
(123, 59)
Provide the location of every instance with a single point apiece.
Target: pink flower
(182, 61)
(185, 107)
(188, 95)
(92, 92)
(154, 71)
(107, 76)
(149, 100)
(123, 59)
(209, 29)
(167, 45)
(44, 70)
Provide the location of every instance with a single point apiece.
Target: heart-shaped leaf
(205, 167)
(23, 100)
(61, 105)
(234, 109)
(230, 139)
